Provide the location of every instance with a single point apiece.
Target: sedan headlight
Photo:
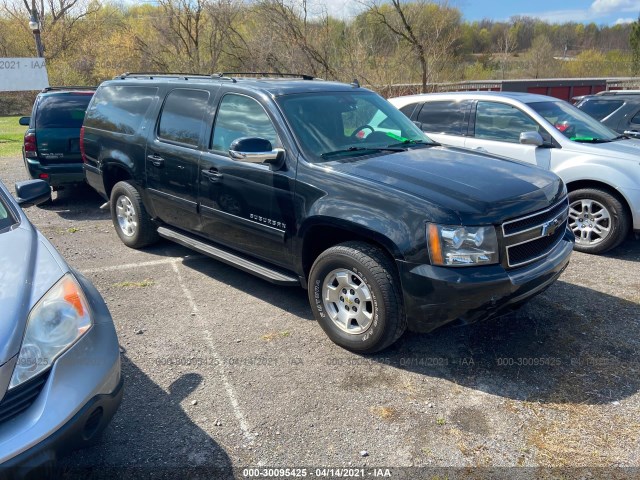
(462, 246)
(56, 322)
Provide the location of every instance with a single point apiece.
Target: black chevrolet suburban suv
(287, 179)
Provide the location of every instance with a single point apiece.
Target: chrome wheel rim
(348, 301)
(590, 221)
(126, 215)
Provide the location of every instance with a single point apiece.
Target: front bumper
(59, 174)
(434, 296)
(81, 395)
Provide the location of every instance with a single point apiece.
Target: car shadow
(627, 250)
(571, 344)
(151, 436)
(79, 202)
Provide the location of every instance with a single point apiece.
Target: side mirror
(24, 121)
(32, 192)
(632, 133)
(255, 150)
(531, 138)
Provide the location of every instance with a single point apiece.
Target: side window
(240, 116)
(182, 117)
(120, 108)
(503, 123)
(636, 119)
(444, 117)
(600, 109)
(408, 109)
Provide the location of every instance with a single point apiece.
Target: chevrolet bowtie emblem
(549, 228)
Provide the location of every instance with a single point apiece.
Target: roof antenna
(355, 83)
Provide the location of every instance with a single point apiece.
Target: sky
(601, 12)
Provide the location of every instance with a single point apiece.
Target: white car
(600, 167)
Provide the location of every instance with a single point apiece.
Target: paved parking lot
(225, 370)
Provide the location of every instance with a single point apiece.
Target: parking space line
(244, 426)
(128, 266)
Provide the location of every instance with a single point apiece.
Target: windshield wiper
(362, 149)
(415, 142)
(621, 137)
(589, 140)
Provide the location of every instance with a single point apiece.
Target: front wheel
(132, 222)
(355, 295)
(599, 220)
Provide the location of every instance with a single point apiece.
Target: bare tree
(430, 29)
(507, 44)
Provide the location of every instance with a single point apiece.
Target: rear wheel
(132, 222)
(355, 296)
(598, 219)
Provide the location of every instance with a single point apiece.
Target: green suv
(51, 149)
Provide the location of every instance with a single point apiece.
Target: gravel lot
(225, 370)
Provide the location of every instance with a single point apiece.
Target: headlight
(462, 246)
(57, 321)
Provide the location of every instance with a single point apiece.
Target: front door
(497, 130)
(246, 206)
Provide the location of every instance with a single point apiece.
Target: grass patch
(269, 337)
(144, 283)
(73, 229)
(11, 137)
(385, 413)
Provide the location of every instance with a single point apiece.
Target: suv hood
(30, 267)
(479, 188)
(624, 149)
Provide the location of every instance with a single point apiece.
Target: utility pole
(34, 25)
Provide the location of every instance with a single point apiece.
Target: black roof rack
(71, 87)
(163, 75)
(228, 75)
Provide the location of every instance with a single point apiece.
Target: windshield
(334, 125)
(572, 123)
(62, 111)
(6, 219)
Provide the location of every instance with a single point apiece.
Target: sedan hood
(30, 267)
(624, 149)
(479, 188)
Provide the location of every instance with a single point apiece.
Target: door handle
(156, 160)
(480, 149)
(213, 175)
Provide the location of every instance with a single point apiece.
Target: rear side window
(600, 109)
(120, 108)
(62, 111)
(408, 109)
(182, 117)
(6, 219)
(444, 117)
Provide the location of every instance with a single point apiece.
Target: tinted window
(497, 121)
(240, 116)
(635, 119)
(62, 111)
(6, 219)
(444, 117)
(600, 109)
(182, 117)
(573, 123)
(119, 108)
(408, 109)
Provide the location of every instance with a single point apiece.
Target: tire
(130, 218)
(376, 318)
(598, 219)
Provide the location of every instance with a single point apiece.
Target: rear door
(246, 206)
(496, 129)
(172, 157)
(57, 122)
(445, 121)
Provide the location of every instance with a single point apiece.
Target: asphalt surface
(224, 370)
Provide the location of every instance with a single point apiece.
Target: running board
(250, 266)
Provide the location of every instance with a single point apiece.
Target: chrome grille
(18, 399)
(533, 236)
